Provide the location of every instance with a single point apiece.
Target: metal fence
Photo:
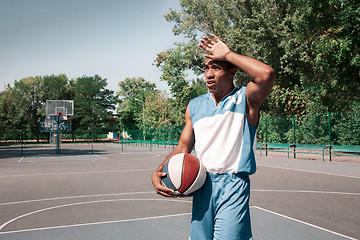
(326, 128)
(340, 128)
(316, 132)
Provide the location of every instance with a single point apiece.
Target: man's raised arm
(262, 75)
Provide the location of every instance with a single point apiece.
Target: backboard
(60, 107)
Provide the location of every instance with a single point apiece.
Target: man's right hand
(159, 188)
(218, 49)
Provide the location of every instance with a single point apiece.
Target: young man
(222, 126)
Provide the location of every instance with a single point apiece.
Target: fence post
(92, 136)
(329, 120)
(22, 143)
(266, 133)
(294, 140)
(121, 140)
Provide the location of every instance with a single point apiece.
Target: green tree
(346, 128)
(312, 45)
(157, 111)
(93, 102)
(56, 87)
(27, 100)
(132, 96)
(9, 125)
(27, 106)
(327, 34)
(198, 87)
(175, 64)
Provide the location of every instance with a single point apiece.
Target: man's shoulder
(200, 98)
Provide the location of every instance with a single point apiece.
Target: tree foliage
(176, 64)
(23, 106)
(93, 102)
(312, 45)
(9, 124)
(132, 95)
(157, 111)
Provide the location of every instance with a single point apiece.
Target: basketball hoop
(54, 107)
(59, 110)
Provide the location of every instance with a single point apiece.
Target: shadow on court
(47, 150)
(109, 195)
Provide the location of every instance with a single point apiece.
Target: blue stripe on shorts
(221, 208)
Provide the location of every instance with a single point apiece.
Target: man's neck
(217, 97)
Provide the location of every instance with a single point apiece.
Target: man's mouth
(210, 83)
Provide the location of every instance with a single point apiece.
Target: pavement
(104, 192)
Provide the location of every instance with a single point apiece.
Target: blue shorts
(221, 208)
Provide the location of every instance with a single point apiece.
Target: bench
(346, 150)
(127, 141)
(313, 149)
(274, 147)
(324, 150)
(165, 143)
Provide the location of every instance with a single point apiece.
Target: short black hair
(229, 65)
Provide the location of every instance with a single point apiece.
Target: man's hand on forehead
(216, 47)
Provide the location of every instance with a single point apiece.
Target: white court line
(74, 197)
(306, 191)
(101, 157)
(153, 192)
(301, 170)
(97, 223)
(88, 202)
(70, 173)
(56, 158)
(299, 221)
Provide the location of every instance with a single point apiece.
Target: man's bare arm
(185, 145)
(262, 75)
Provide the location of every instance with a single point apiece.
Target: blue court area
(108, 194)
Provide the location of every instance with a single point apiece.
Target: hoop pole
(92, 136)
(58, 135)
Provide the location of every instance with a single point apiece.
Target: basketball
(184, 173)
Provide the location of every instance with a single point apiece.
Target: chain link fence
(325, 129)
(342, 128)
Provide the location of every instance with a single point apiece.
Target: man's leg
(202, 221)
(232, 219)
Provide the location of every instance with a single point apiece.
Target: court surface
(108, 194)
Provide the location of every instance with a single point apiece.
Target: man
(222, 126)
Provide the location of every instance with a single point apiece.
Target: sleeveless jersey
(224, 140)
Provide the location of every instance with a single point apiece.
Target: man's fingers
(206, 48)
(161, 174)
(205, 43)
(165, 191)
(208, 56)
(215, 37)
(160, 189)
(209, 40)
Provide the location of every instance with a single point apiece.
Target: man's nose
(209, 74)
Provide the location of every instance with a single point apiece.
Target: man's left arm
(262, 75)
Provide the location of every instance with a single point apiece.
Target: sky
(115, 39)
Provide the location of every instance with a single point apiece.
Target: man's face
(218, 76)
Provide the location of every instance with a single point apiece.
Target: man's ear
(233, 72)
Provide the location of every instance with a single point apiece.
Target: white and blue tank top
(225, 142)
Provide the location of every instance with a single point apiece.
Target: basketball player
(222, 126)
